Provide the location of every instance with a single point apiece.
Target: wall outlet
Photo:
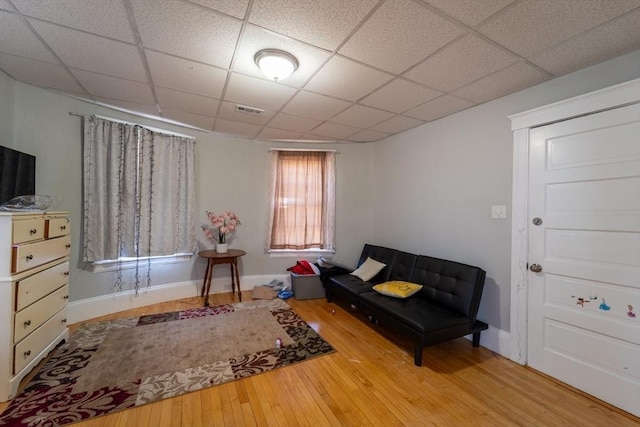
(498, 211)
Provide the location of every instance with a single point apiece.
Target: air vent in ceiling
(249, 110)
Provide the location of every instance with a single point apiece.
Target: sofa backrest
(399, 265)
(380, 254)
(402, 266)
(451, 284)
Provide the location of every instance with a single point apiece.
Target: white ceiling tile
(398, 35)
(107, 18)
(5, 5)
(237, 8)
(273, 134)
(175, 73)
(196, 120)
(605, 42)
(361, 116)
(463, 61)
(335, 130)
(18, 39)
(469, 12)
(439, 107)
(310, 138)
(114, 88)
(259, 93)
(528, 27)
(397, 124)
(368, 136)
(188, 102)
(187, 30)
(229, 112)
(237, 129)
(39, 73)
(315, 106)
(255, 39)
(130, 107)
(294, 123)
(400, 95)
(106, 56)
(321, 23)
(346, 79)
(509, 80)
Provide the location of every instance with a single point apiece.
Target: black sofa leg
(417, 358)
(476, 339)
(328, 295)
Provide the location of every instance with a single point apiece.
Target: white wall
(231, 173)
(434, 185)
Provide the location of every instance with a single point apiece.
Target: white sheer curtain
(139, 192)
(302, 194)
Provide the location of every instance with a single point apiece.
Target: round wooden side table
(213, 258)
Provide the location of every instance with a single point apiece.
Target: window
(138, 192)
(302, 193)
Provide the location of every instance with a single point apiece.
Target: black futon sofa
(444, 309)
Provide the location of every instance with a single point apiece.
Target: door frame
(604, 99)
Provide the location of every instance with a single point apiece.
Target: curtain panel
(302, 194)
(139, 192)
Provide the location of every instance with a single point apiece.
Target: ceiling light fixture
(276, 64)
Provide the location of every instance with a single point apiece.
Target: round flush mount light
(276, 64)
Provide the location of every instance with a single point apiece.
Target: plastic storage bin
(307, 286)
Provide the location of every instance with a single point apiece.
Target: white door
(584, 303)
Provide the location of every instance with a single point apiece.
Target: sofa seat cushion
(350, 284)
(419, 314)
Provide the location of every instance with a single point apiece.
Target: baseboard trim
(495, 340)
(89, 308)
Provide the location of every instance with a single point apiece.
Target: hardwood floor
(371, 381)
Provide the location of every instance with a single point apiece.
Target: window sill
(130, 263)
(308, 253)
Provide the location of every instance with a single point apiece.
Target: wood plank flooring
(371, 381)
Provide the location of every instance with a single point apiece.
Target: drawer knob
(27, 353)
(27, 323)
(29, 257)
(66, 273)
(33, 231)
(65, 297)
(63, 227)
(63, 321)
(68, 245)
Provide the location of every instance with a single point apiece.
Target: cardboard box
(263, 292)
(307, 286)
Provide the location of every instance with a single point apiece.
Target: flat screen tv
(17, 174)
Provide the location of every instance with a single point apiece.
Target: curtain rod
(304, 149)
(164, 131)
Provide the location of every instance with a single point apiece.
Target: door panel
(584, 306)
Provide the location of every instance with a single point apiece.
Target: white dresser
(34, 291)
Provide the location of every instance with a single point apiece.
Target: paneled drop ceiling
(368, 68)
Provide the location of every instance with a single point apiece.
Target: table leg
(207, 282)
(233, 280)
(235, 264)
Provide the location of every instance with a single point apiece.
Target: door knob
(536, 268)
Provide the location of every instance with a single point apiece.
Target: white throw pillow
(368, 269)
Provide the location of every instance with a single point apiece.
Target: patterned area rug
(110, 366)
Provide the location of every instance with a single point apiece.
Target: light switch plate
(498, 211)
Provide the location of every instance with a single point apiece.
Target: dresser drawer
(56, 227)
(27, 349)
(29, 319)
(27, 230)
(32, 288)
(33, 254)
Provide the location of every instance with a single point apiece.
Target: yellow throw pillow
(397, 288)
(368, 269)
